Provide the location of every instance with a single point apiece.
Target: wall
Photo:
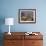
(9, 8)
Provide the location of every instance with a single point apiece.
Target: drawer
(16, 37)
(9, 43)
(33, 37)
(37, 43)
(13, 43)
(33, 43)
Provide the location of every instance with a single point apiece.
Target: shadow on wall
(2, 21)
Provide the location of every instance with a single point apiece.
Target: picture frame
(27, 16)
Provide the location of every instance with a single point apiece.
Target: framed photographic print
(27, 16)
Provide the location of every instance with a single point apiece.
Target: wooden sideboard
(20, 39)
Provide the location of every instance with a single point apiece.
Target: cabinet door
(33, 43)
